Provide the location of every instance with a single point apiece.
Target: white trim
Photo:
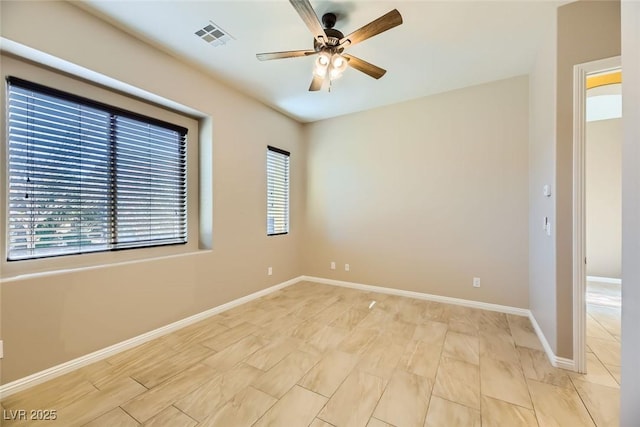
(63, 368)
(556, 361)
(40, 274)
(564, 363)
(579, 250)
(419, 295)
(580, 72)
(543, 339)
(611, 280)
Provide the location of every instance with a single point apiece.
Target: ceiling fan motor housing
(333, 36)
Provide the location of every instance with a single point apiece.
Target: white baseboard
(611, 280)
(66, 367)
(419, 295)
(556, 361)
(564, 363)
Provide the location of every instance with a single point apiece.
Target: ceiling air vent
(213, 34)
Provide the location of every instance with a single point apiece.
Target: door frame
(580, 74)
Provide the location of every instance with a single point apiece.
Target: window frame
(112, 158)
(287, 179)
(116, 93)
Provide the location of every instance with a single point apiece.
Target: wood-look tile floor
(318, 355)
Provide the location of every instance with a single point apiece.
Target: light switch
(546, 190)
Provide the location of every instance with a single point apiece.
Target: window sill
(53, 272)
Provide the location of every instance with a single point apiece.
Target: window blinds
(86, 177)
(277, 191)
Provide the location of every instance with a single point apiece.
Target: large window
(277, 191)
(87, 177)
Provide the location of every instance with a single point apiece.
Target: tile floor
(603, 349)
(317, 355)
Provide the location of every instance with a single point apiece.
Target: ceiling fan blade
(308, 15)
(316, 83)
(362, 65)
(373, 28)
(285, 54)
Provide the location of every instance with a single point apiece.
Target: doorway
(597, 216)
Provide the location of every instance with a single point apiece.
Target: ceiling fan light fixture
(338, 65)
(323, 63)
(323, 59)
(338, 62)
(335, 74)
(331, 65)
(320, 71)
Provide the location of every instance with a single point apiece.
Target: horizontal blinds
(150, 184)
(277, 191)
(84, 178)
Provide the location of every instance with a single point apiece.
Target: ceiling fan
(329, 44)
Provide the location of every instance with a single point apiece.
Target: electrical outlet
(476, 282)
(270, 271)
(346, 267)
(333, 265)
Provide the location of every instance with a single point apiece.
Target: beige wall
(425, 195)
(421, 196)
(587, 30)
(630, 387)
(51, 318)
(542, 144)
(603, 198)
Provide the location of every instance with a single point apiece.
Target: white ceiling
(441, 46)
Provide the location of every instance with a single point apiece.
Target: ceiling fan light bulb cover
(323, 59)
(335, 73)
(338, 62)
(320, 71)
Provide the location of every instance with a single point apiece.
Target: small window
(277, 191)
(87, 177)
